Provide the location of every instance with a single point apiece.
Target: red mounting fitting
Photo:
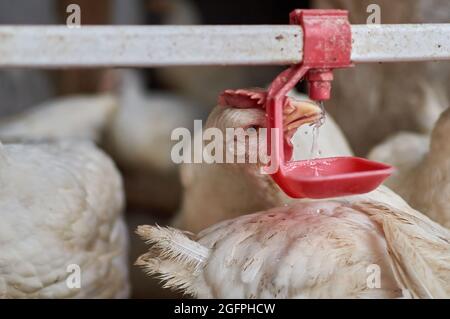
(327, 44)
(319, 84)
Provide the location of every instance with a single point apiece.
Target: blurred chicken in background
(138, 137)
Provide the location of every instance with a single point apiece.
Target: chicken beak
(298, 113)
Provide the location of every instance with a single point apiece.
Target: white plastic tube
(149, 46)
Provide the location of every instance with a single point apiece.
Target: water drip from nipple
(315, 151)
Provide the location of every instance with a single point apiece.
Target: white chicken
(326, 249)
(139, 138)
(302, 249)
(236, 189)
(61, 210)
(132, 125)
(405, 151)
(140, 131)
(74, 117)
(423, 165)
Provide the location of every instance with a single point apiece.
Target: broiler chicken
(300, 248)
(324, 249)
(236, 189)
(139, 138)
(60, 207)
(75, 117)
(423, 176)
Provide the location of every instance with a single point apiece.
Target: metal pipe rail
(151, 46)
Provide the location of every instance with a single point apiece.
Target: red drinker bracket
(326, 45)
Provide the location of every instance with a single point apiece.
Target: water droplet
(315, 152)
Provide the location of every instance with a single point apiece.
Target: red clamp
(327, 45)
